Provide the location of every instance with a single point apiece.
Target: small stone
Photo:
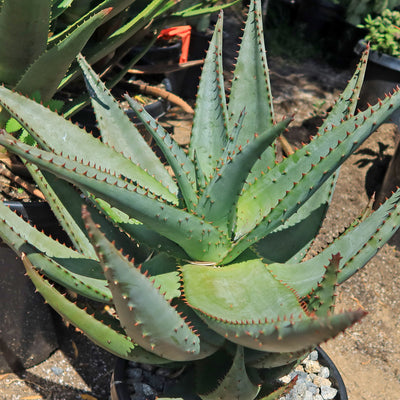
(285, 379)
(312, 366)
(143, 392)
(292, 375)
(310, 377)
(318, 397)
(311, 387)
(328, 393)
(149, 392)
(299, 368)
(313, 355)
(57, 370)
(300, 388)
(132, 364)
(156, 382)
(135, 374)
(318, 381)
(324, 372)
(147, 367)
(302, 376)
(163, 372)
(308, 396)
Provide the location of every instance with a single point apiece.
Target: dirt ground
(367, 355)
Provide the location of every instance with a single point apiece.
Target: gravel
(313, 381)
(146, 382)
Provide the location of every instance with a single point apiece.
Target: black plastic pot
(185, 83)
(27, 325)
(166, 53)
(86, 118)
(325, 24)
(120, 389)
(337, 380)
(381, 77)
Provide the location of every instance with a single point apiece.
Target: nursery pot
(27, 325)
(381, 77)
(120, 387)
(86, 118)
(325, 23)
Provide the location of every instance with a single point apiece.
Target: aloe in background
(39, 39)
(204, 263)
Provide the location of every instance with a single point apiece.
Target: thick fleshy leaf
(290, 242)
(74, 142)
(65, 211)
(58, 262)
(182, 166)
(119, 132)
(321, 300)
(251, 81)
(280, 192)
(47, 71)
(100, 333)
(145, 314)
(236, 384)
(218, 200)
(209, 133)
(201, 240)
(246, 304)
(24, 28)
(356, 246)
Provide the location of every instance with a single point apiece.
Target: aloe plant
(204, 263)
(40, 39)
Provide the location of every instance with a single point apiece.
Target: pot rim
(382, 59)
(120, 391)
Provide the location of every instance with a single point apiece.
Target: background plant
(204, 267)
(39, 39)
(384, 32)
(357, 10)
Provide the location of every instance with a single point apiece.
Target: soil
(368, 354)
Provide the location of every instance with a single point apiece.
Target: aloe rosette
(204, 265)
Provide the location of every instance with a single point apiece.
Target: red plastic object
(183, 32)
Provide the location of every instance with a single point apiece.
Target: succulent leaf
(116, 343)
(19, 48)
(290, 241)
(203, 266)
(63, 265)
(321, 300)
(209, 133)
(145, 313)
(66, 212)
(236, 304)
(118, 132)
(41, 127)
(356, 246)
(302, 173)
(236, 384)
(180, 163)
(46, 72)
(183, 228)
(218, 201)
(251, 81)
